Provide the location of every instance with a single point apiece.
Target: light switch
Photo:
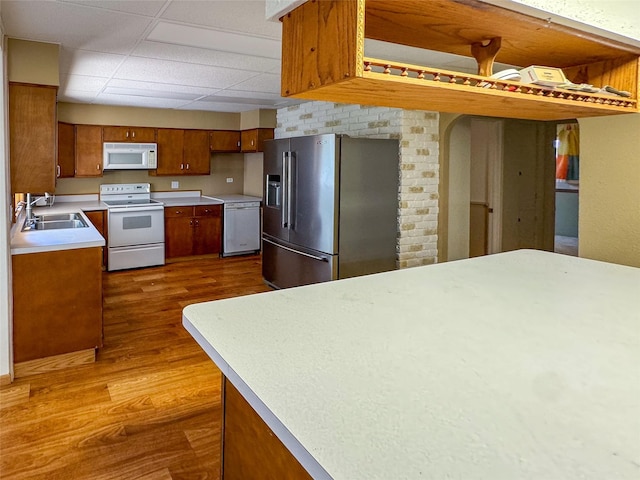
(229, 179)
(175, 184)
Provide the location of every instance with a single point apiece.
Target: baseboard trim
(55, 362)
(5, 379)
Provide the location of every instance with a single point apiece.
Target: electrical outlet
(175, 184)
(229, 179)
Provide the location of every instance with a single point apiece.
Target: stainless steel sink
(55, 221)
(52, 217)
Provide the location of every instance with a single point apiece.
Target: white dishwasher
(241, 224)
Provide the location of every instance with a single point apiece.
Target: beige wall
(609, 222)
(253, 163)
(258, 119)
(81, 113)
(33, 62)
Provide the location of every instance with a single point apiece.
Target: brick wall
(417, 132)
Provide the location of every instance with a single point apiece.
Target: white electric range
(135, 225)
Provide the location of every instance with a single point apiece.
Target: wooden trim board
(55, 362)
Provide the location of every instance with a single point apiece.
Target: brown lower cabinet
(57, 302)
(250, 449)
(192, 230)
(99, 220)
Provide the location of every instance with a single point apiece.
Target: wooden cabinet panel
(253, 140)
(206, 236)
(88, 151)
(197, 155)
(57, 302)
(99, 220)
(129, 134)
(178, 237)
(32, 137)
(66, 150)
(225, 141)
(208, 211)
(208, 229)
(192, 230)
(170, 151)
(250, 448)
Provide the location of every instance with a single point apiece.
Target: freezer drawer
(284, 266)
(137, 256)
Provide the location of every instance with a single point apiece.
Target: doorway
(567, 154)
(498, 185)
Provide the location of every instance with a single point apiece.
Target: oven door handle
(133, 209)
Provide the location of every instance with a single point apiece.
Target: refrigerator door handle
(285, 202)
(315, 257)
(291, 205)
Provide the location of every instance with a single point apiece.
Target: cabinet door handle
(133, 134)
(58, 171)
(98, 167)
(188, 166)
(178, 212)
(127, 133)
(182, 166)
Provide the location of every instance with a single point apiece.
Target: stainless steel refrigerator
(330, 208)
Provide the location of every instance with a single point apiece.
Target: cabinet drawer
(173, 212)
(208, 211)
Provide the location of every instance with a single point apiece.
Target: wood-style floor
(149, 407)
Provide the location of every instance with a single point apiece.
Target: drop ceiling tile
(210, 38)
(240, 16)
(145, 92)
(244, 94)
(75, 97)
(246, 100)
(84, 62)
(153, 87)
(265, 82)
(82, 83)
(149, 8)
(176, 73)
(128, 100)
(203, 56)
(73, 26)
(222, 107)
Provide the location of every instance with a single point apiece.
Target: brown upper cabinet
(323, 58)
(183, 152)
(88, 151)
(66, 150)
(32, 137)
(253, 140)
(197, 153)
(129, 134)
(225, 141)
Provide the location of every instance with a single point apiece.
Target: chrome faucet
(28, 205)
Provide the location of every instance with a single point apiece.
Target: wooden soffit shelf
(323, 58)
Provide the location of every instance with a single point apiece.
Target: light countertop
(186, 199)
(519, 365)
(38, 241)
(237, 198)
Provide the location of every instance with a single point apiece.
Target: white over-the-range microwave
(130, 156)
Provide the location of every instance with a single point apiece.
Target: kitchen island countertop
(517, 365)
